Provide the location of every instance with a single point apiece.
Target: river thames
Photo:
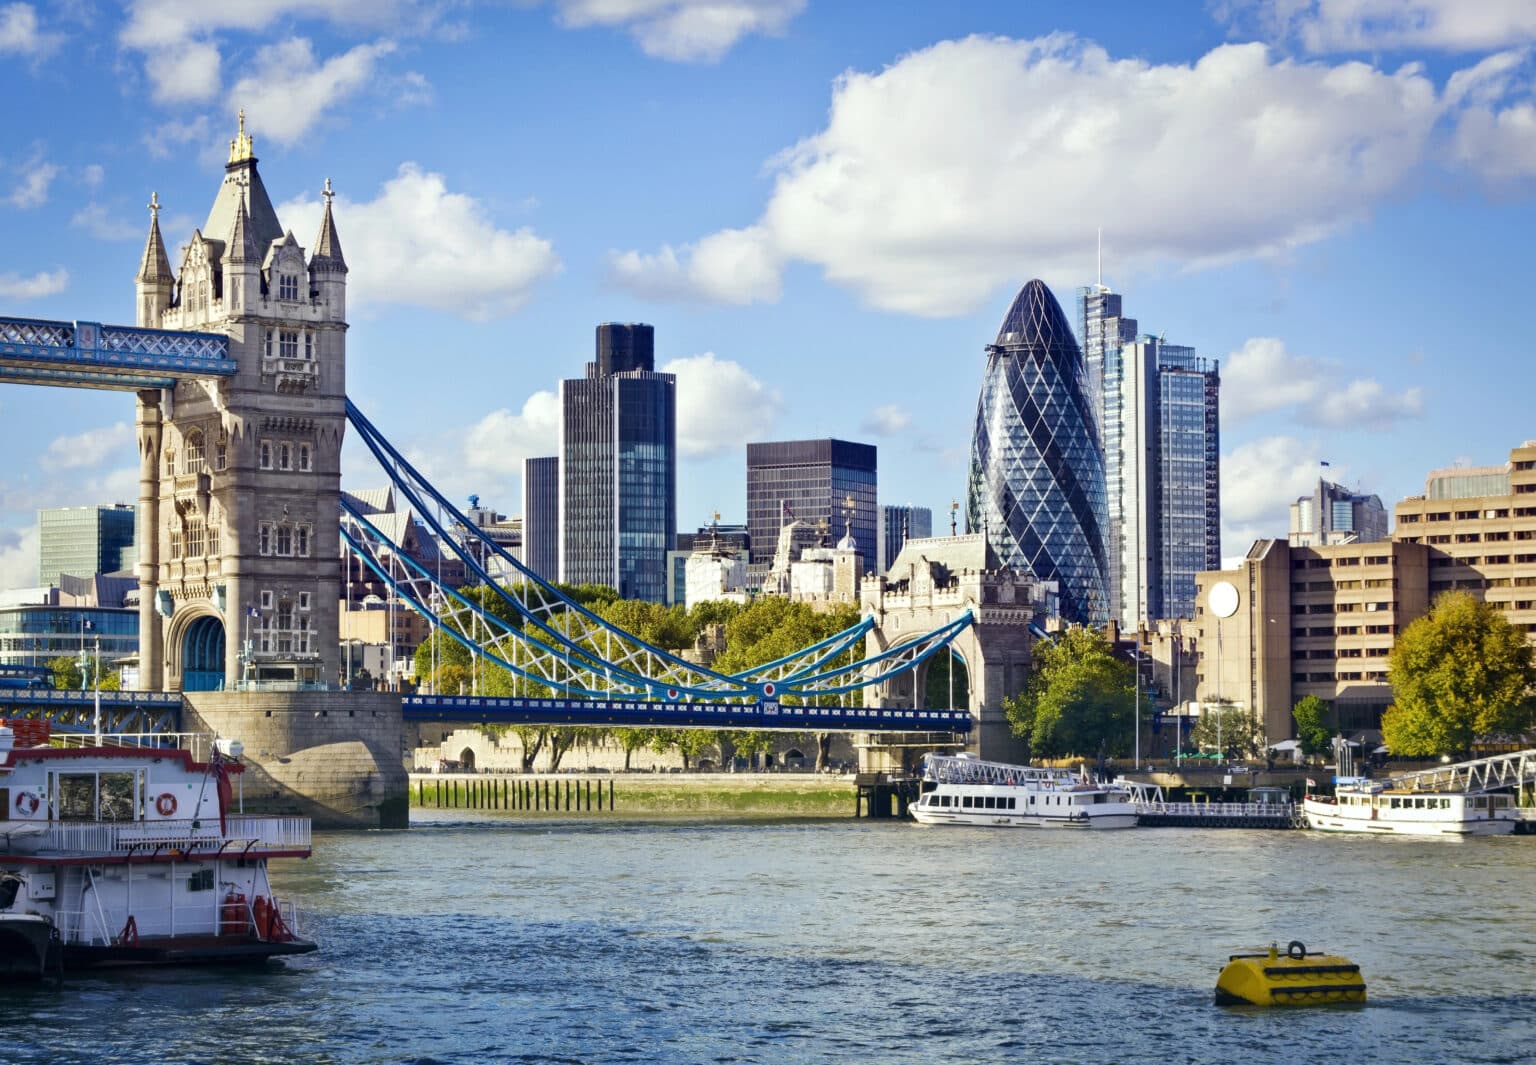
(483, 940)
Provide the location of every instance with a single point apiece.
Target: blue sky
(823, 207)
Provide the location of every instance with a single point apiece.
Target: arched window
(221, 455)
(192, 459)
(170, 462)
(285, 456)
(266, 454)
(306, 458)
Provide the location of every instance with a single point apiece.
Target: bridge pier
(333, 756)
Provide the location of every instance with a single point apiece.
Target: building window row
(285, 343)
(286, 455)
(283, 539)
(193, 539)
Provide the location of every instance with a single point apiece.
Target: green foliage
(938, 689)
(1459, 672)
(1231, 731)
(1079, 699)
(1312, 730)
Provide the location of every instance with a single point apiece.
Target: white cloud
(1259, 481)
(18, 557)
(683, 30)
(735, 266)
(499, 442)
(719, 405)
(1263, 376)
(43, 283)
(36, 176)
(1447, 25)
(93, 218)
(966, 166)
(288, 89)
(887, 420)
(1495, 133)
(93, 175)
(88, 450)
(166, 139)
(420, 244)
(184, 72)
(20, 35)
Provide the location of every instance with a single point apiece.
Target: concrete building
(1036, 487)
(710, 564)
(84, 541)
(1333, 514)
(898, 525)
(239, 481)
(818, 483)
(618, 467)
(541, 517)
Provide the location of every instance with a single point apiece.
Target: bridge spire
(242, 147)
(327, 255)
(154, 266)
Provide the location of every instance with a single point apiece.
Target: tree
(632, 739)
(1459, 672)
(1079, 698)
(66, 673)
(1230, 730)
(1312, 730)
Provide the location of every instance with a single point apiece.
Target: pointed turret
(327, 266)
(242, 185)
(242, 264)
(155, 282)
(242, 239)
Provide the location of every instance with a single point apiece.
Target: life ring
(1296, 949)
(27, 803)
(166, 804)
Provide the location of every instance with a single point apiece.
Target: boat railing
(1217, 809)
(952, 769)
(240, 836)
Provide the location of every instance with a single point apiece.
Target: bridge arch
(198, 649)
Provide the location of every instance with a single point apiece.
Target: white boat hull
(1330, 817)
(1003, 819)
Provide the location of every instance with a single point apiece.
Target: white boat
(1373, 808)
(115, 855)
(960, 790)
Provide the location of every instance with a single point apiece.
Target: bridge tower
(932, 582)
(239, 477)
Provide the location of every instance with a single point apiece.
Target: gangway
(1516, 770)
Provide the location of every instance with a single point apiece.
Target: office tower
(541, 516)
(1161, 469)
(897, 526)
(825, 484)
(1104, 331)
(618, 467)
(1036, 484)
(1333, 514)
(84, 541)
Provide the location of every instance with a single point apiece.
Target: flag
(253, 612)
(1311, 783)
(789, 514)
(1322, 462)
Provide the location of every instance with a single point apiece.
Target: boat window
(1013, 802)
(5, 804)
(97, 796)
(991, 803)
(965, 801)
(202, 880)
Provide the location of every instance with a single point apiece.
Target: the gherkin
(1037, 474)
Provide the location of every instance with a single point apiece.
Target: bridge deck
(35, 351)
(620, 713)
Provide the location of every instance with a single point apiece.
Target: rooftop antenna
(1101, 258)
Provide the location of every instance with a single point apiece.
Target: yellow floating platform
(1295, 978)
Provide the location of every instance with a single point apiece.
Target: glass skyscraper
(809, 481)
(541, 516)
(897, 526)
(84, 541)
(618, 467)
(1036, 485)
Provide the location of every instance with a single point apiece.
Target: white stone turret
(155, 283)
(328, 267)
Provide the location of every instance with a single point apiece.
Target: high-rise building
(541, 516)
(84, 542)
(828, 484)
(1333, 514)
(897, 526)
(1036, 484)
(1104, 330)
(618, 467)
(1161, 471)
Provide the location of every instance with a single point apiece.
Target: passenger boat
(1365, 806)
(117, 855)
(960, 790)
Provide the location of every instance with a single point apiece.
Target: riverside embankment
(639, 794)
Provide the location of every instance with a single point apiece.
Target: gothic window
(170, 462)
(287, 286)
(301, 635)
(213, 540)
(303, 600)
(266, 599)
(288, 343)
(268, 344)
(175, 542)
(266, 454)
(264, 625)
(285, 456)
(194, 539)
(309, 344)
(301, 545)
(305, 458)
(285, 625)
(284, 541)
(221, 454)
(264, 543)
(192, 461)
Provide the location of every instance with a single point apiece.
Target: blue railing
(89, 354)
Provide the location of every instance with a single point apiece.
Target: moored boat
(959, 790)
(123, 855)
(1365, 807)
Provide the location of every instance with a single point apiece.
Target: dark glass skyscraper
(84, 541)
(1037, 477)
(809, 481)
(541, 516)
(618, 467)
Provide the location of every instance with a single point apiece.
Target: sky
(824, 207)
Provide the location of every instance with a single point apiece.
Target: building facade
(897, 526)
(239, 482)
(618, 467)
(84, 541)
(1333, 514)
(541, 516)
(825, 484)
(1036, 483)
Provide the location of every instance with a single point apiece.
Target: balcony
(244, 837)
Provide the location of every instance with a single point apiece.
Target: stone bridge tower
(239, 478)
(932, 582)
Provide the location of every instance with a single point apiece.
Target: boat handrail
(133, 837)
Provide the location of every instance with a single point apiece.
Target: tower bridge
(237, 360)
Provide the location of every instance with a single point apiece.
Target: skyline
(1331, 208)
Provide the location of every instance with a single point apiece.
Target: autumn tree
(1459, 672)
(1079, 699)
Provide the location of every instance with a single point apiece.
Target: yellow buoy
(1295, 978)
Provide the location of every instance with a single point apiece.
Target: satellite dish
(1222, 599)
